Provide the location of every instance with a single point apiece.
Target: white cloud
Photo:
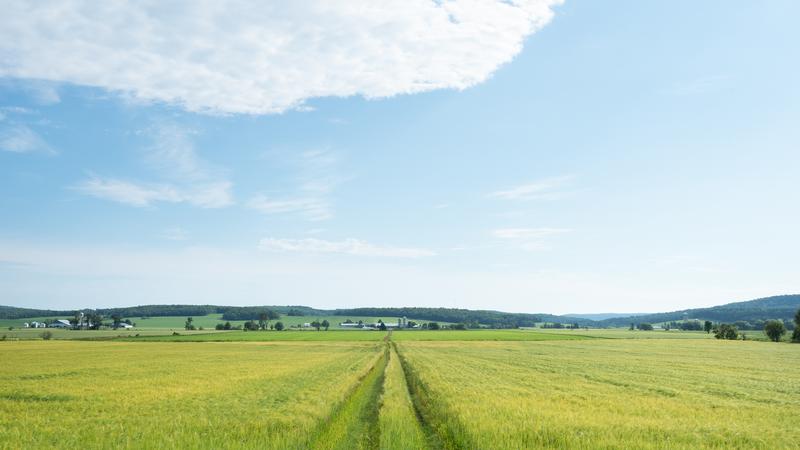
(21, 139)
(211, 195)
(311, 208)
(348, 246)
(264, 57)
(545, 189)
(187, 178)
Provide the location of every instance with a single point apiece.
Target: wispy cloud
(317, 177)
(265, 57)
(185, 177)
(211, 195)
(314, 209)
(544, 189)
(22, 139)
(348, 246)
(530, 239)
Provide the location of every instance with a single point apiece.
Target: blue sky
(576, 157)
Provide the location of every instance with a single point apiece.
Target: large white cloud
(239, 56)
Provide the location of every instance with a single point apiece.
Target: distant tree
(47, 335)
(796, 332)
(316, 324)
(433, 325)
(707, 326)
(279, 326)
(458, 326)
(116, 320)
(219, 326)
(633, 326)
(189, 325)
(227, 326)
(251, 325)
(381, 326)
(325, 324)
(726, 331)
(93, 320)
(263, 319)
(645, 327)
(775, 330)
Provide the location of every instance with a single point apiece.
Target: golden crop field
(589, 392)
(69, 394)
(609, 393)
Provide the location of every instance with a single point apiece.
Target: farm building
(60, 323)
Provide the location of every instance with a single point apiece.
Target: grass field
(504, 389)
(168, 324)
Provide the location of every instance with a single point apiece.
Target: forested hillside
(781, 307)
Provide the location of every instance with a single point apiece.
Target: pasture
(504, 389)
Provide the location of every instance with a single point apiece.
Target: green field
(168, 324)
(348, 389)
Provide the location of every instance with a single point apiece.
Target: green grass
(609, 393)
(57, 333)
(482, 335)
(176, 323)
(624, 333)
(264, 336)
(354, 425)
(399, 427)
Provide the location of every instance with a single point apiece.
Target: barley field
(609, 393)
(402, 390)
(71, 394)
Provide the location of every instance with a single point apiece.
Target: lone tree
(796, 332)
(189, 325)
(708, 326)
(726, 331)
(325, 324)
(775, 330)
(316, 324)
(279, 326)
(263, 320)
(433, 325)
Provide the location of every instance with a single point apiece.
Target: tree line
(470, 318)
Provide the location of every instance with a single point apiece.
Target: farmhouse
(124, 325)
(60, 323)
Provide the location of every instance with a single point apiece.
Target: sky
(526, 156)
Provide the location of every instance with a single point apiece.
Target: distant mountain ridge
(781, 307)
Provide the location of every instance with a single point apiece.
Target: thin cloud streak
(351, 246)
(544, 189)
